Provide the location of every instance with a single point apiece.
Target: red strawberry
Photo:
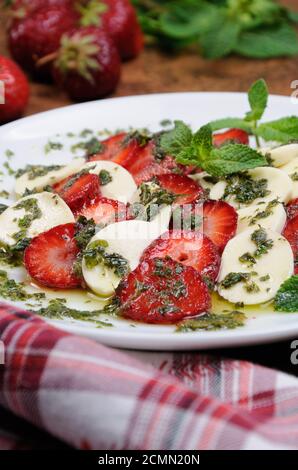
(292, 208)
(103, 211)
(145, 164)
(234, 136)
(216, 219)
(16, 90)
(189, 248)
(22, 8)
(78, 189)
(119, 19)
(185, 189)
(87, 66)
(291, 234)
(37, 35)
(119, 149)
(50, 258)
(162, 291)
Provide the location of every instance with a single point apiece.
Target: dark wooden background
(156, 72)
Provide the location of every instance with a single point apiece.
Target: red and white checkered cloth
(93, 397)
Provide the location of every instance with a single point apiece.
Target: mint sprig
(196, 149)
(286, 299)
(281, 130)
(252, 28)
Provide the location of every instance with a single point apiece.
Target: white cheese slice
(279, 187)
(270, 270)
(27, 181)
(122, 187)
(54, 211)
(267, 214)
(292, 170)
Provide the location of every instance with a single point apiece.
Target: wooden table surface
(155, 72)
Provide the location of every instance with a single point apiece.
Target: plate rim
(189, 340)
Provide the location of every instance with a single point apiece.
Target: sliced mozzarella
(50, 178)
(218, 191)
(279, 186)
(53, 209)
(292, 170)
(128, 239)
(278, 264)
(281, 155)
(267, 214)
(122, 187)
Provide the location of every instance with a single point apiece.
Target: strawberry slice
(51, 256)
(216, 219)
(189, 248)
(162, 291)
(292, 208)
(291, 234)
(119, 148)
(232, 136)
(184, 188)
(103, 211)
(78, 189)
(145, 165)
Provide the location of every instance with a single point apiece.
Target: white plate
(27, 138)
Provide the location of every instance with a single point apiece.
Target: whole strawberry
(38, 34)
(16, 90)
(119, 19)
(87, 64)
(22, 8)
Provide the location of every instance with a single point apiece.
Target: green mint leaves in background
(197, 149)
(282, 130)
(252, 28)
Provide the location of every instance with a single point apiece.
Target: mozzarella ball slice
(122, 186)
(292, 170)
(33, 214)
(263, 278)
(31, 181)
(281, 155)
(279, 186)
(270, 215)
(128, 239)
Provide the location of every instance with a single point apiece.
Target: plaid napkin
(93, 397)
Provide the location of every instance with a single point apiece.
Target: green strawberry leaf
(286, 299)
(282, 130)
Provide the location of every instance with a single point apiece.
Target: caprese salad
(158, 222)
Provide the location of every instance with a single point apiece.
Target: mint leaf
(232, 158)
(286, 299)
(227, 123)
(282, 130)
(267, 42)
(292, 15)
(258, 99)
(187, 21)
(221, 39)
(202, 141)
(177, 140)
